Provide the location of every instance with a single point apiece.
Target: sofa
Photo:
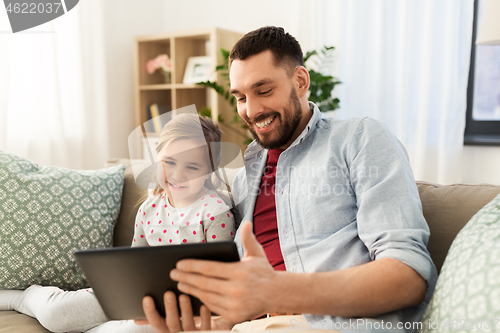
(447, 210)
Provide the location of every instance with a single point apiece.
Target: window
(483, 91)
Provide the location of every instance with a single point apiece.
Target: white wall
(301, 18)
(236, 15)
(481, 165)
(122, 22)
(139, 17)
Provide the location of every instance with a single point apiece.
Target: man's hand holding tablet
(200, 285)
(122, 277)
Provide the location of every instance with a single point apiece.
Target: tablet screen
(122, 276)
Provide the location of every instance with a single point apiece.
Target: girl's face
(183, 171)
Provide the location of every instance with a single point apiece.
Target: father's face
(266, 99)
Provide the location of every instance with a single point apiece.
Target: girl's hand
(173, 323)
(238, 291)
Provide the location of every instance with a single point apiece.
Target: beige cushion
(447, 209)
(131, 200)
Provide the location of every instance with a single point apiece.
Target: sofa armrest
(132, 194)
(12, 321)
(447, 209)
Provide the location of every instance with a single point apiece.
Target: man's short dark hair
(284, 47)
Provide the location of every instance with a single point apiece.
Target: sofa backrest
(447, 209)
(132, 195)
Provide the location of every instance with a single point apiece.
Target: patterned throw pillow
(467, 295)
(47, 213)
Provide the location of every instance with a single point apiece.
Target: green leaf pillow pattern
(467, 294)
(47, 213)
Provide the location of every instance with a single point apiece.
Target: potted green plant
(321, 86)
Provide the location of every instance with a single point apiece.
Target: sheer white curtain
(52, 90)
(405, 63)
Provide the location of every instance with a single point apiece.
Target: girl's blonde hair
(187, 126)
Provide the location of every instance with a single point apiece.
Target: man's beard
(292, 115)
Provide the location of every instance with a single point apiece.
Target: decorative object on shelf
(321, 86)
(198, 69)
(163, 63)
(155, 123)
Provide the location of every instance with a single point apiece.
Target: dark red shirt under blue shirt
(265, 224)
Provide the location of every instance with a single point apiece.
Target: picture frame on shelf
(198, 69)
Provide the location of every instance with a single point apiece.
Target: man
(339, 232)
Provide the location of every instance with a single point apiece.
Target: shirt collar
(254, 148)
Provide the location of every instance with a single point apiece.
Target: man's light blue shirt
(345, 195)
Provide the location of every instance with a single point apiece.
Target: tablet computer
(122, 276)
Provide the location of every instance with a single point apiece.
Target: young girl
(184, 208)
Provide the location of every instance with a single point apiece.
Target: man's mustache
(261, 117)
